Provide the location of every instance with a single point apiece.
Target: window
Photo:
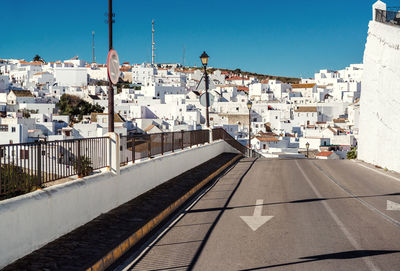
(13, 129)
(276, 117)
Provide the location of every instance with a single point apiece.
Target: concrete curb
(113, 255)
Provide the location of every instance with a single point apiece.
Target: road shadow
(345, 255)
(222, 210)
(288, 202)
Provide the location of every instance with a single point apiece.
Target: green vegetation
(15, 181)
(352, 154)
(73, 106)
(83, 166)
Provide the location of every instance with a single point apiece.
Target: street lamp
(204, 60)
(307, 146)
(249, 105)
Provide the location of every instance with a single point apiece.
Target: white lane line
(377, 171)
(366, 204)
(343, 228)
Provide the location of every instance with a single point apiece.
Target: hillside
(238, 72)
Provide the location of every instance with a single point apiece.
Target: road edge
(116, 253)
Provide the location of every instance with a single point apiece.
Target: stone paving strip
(85, 246)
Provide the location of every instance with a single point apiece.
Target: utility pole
(94, 57)
(152, 43)
(110, 85)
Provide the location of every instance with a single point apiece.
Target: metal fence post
(162, 143)
(39, 164)
(182, 139)
(149, 147)
(78, 161)
(173, 141)
(133, 150)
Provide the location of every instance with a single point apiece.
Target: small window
(13, 129)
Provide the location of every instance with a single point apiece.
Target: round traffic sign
(203, 99)
(113, 66)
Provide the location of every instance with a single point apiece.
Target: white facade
(73, 77)
(380, 104)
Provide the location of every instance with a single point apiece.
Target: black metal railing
(220, 133)
(387, 16)
(28, 166)
(136, 147)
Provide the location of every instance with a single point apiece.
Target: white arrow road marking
(256, 220)
(392, 206)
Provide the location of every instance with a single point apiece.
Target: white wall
(74, 77)
(30, 221)
(380, 103)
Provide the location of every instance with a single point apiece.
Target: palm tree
(38, 58)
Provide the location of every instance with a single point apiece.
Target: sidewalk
(81, 248)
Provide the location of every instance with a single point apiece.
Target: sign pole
(110, 85)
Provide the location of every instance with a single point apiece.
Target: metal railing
(387, 16)
(27, 166)
(136, 147)
(220, 133)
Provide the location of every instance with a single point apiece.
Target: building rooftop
(303, 85)
(306, 109)
(324, 153)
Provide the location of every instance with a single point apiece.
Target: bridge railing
(136, 147)
(220, 133)
(28, 166)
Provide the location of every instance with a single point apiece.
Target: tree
(37, 58)
(237, 71)
(352, 154)
(73, 106)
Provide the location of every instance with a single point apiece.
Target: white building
(379, 103)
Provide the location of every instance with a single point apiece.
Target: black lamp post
(307, 146)
(249, 105)
(204, 60)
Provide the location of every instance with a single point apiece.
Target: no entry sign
(113, 66)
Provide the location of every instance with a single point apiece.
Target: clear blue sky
(282, 37)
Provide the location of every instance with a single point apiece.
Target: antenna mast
(183, 56)
(152, 43)
(94, 57)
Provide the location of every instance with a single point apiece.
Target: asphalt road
(300, 214)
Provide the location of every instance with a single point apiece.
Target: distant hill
(284, 79)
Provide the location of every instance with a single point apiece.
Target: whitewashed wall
(380, 98)
(30, 221)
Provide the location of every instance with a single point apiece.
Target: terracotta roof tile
(303, 85)
(325, 153)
